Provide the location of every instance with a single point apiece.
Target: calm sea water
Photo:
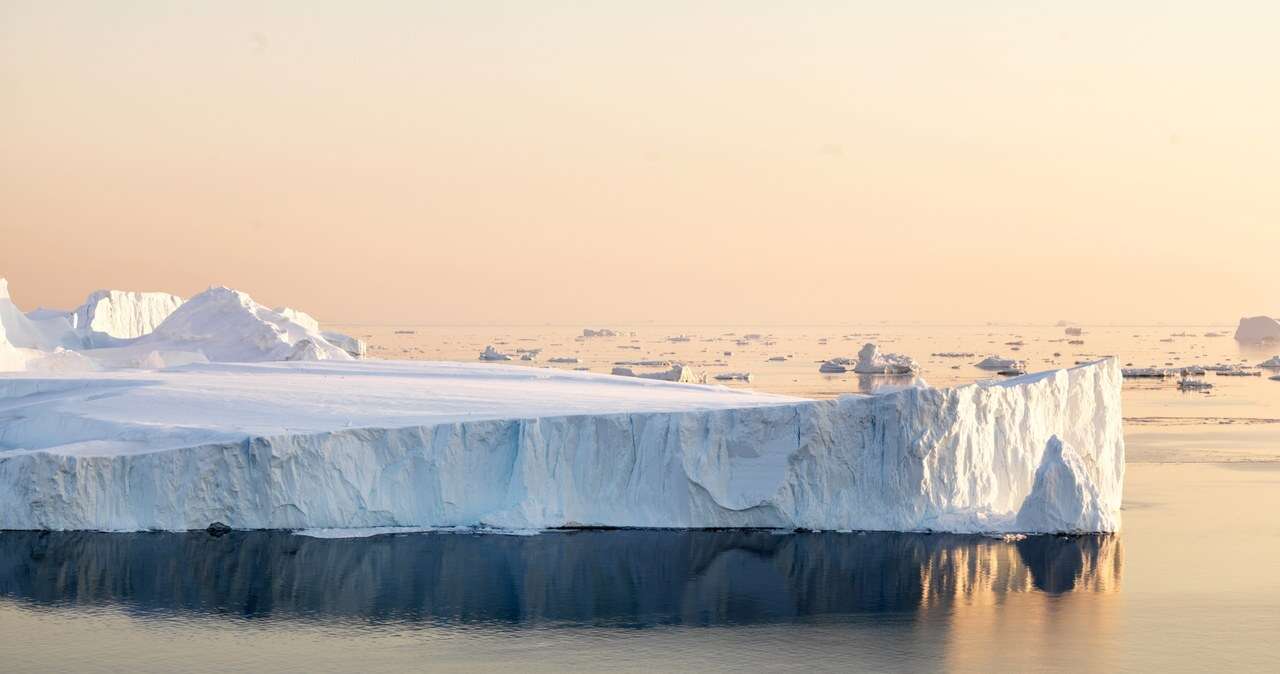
(1188, 585)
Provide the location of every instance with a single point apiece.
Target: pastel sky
(734, 161)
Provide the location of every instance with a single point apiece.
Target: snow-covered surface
(359, 444)
(1258, 329)
(122, 314)
(1064, 497)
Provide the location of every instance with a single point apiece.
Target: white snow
(355, 444)
(1258, 329)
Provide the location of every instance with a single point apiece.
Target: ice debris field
(142, 411)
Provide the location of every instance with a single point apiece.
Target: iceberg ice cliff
(121, 314)
(338, 443)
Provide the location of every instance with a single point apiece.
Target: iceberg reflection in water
(620, 578)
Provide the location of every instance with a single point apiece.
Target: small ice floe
(679, 338)
(534, 352)
(871, 361)
(529, 356)
(998, 363)
(1274, 377)
(836, 366)
(953, 354)
(678, 373)
(778, 359)
(1272, 362)
(1238, 372)
(1077, 342)
(1074, 332)
(1215, 334)
(733, 376)
(490, 353)
(1193, 370)
(565, 359)
(602, 332)
(1189, 384)
(1145, 373)
(406, 332)
(1012, 372)
(643, 363)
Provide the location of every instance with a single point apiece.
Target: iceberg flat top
(123, 411)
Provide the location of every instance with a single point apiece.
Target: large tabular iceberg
(377, 444)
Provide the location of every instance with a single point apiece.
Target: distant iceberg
(871, 361)
(998, 363)
(1258, 329)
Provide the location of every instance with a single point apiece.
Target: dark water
(1189, 585)
(591, 578)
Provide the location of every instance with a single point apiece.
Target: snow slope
(226, 325)
(375, 444)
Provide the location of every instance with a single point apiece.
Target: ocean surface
(1189, 585)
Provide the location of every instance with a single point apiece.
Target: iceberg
(998, 363)
(678, 373)
(1272, 362)
(493, 354)
(118, 314)
(355, 444)
(1258, 329)
(871, 361)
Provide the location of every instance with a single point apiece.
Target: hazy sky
(674, 161)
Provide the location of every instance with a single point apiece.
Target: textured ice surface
(121, 314)
(378, 444)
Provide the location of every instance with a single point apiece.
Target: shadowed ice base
(620, 578)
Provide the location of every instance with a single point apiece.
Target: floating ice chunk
(954, 354)
(871, 361)
(491, 353)
(836, 366)
(998, 363)
(678, 373)
(1258, 329)
(602, 332)
(1075, 332)
(1065, 498)
(1146, 372)
(733, 376)
(1238, 372)
(565, 359)
(1188, 384)
(1273, 361)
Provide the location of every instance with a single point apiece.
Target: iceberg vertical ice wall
(962, 460)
